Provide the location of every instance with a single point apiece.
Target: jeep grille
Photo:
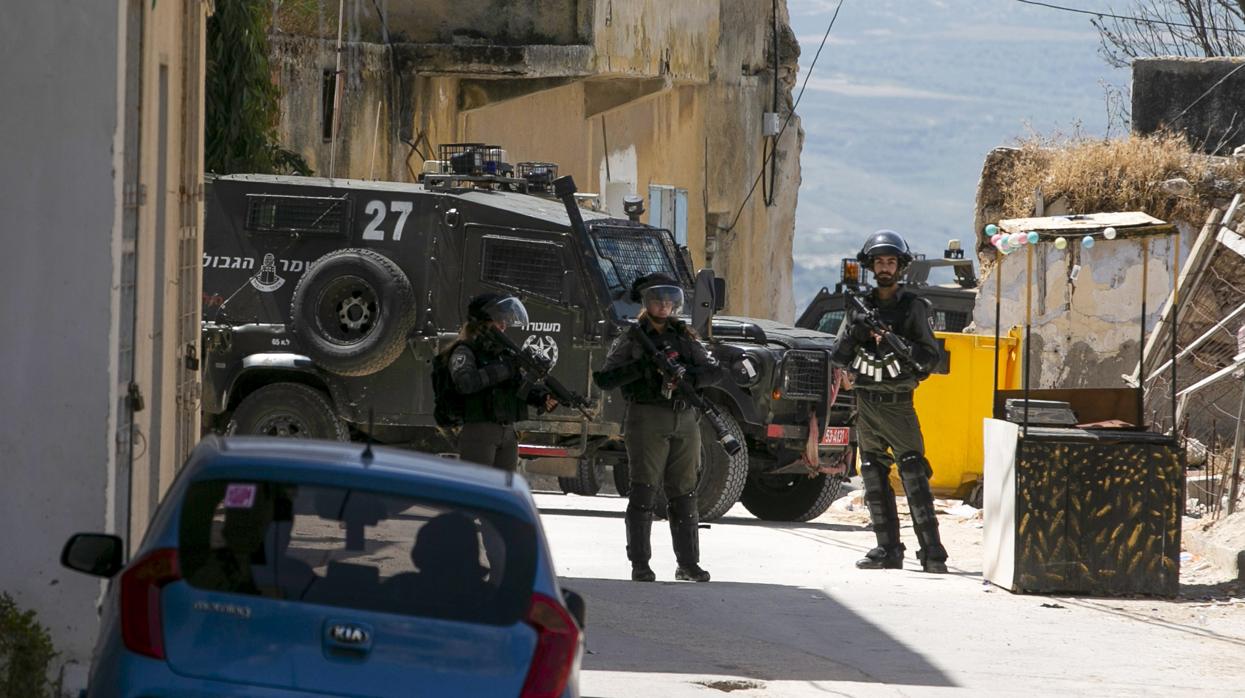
(804, 375)
(269, 213)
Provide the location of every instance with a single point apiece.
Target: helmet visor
(509, 311)
(664, 294)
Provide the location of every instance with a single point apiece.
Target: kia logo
(348, 634)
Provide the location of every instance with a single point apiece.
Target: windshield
(629, 253)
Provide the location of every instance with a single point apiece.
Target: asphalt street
(787, 614)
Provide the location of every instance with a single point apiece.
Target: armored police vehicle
(325, 301)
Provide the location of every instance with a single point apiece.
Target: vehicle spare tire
(290, 410)
(722, 476)
(790, 497)
(352, 311)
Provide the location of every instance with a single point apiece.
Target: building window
(328, 90)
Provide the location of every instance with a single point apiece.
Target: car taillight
(141, 623)
(556, 645)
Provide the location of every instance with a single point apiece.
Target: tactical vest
(647, 390)
(500, 403)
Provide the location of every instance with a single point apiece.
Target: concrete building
(666, 100)
(100, 196)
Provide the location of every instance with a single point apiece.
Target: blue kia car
(284, 567)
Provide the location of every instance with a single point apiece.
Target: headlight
(746, 371)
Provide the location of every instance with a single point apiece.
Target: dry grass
(1118, 175)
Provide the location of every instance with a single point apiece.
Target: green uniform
(495, 397)
(662, 435)
(888, 429)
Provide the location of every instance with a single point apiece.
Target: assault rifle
(675, 380)
(899, 354)
(537, 367)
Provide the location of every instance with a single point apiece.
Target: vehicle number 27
(376, 209)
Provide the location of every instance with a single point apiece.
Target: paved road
(788, 615)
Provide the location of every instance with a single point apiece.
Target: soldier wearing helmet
(661, 431)
(886, 422)
(493, 387)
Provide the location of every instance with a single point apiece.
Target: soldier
(495, 394)
(662, 432)
(885, 417)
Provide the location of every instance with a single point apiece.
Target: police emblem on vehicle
(266, 278)
(545, 347)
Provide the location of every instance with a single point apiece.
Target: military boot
(685, 534)
(915, 471)
(639, 520)
(881, 558)
(883, 513)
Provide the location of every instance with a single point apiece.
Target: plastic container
(951, 408)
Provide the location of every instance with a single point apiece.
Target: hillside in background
(907, 99)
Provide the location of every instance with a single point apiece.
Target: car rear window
(357, 549)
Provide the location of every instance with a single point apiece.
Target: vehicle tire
(622, 478)
(352, 310)
(290, 410)
(790, 497)
(721, 478)
(587, 483)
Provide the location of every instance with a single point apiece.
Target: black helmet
(658, 287)
(884, 242)
(498, 307)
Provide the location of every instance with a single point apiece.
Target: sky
(907, 99)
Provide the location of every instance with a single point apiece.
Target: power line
(1127, 18)
(774, 152)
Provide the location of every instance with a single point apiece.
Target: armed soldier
(495, 393)
(888, 341)
(662, 430)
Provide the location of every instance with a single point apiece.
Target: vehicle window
(271, 213)
(357, 549)
(530, 266)
(830, 321)
(627, 254)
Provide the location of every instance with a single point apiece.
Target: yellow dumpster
(952, 405)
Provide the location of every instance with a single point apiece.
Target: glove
(860, 332)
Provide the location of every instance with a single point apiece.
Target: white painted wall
(59, 221)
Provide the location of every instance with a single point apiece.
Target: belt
(884, 398)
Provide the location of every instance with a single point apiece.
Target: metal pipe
(1028, 326)
(337, 90)
(1141, 347)
(1235, 477)
(1175, 326)
(998, 303)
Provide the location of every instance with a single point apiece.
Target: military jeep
(325, 301)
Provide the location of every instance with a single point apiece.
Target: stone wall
(1182, 93)
(1085, 333)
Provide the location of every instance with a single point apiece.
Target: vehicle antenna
(367, 450)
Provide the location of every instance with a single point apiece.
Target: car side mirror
(574, 604)
(719, 294)
(96, 554)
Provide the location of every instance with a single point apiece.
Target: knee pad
(683, 509)
(641, 498)
(874, 470)
(914, 464)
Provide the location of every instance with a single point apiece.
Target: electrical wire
(787, 120)
(1127, 18)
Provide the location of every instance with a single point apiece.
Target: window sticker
(240, 496)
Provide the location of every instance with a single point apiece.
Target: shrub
(25, 653)
(1126, 174)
